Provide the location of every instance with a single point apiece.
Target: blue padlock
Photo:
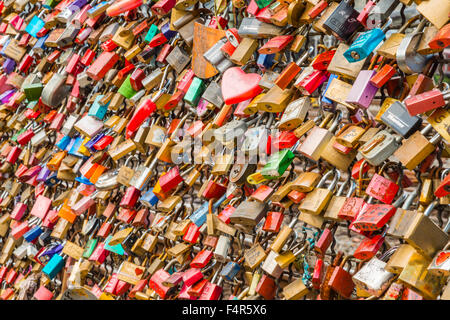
(54, 266)
(33, 233)
(84, 180)
(97, 109)
(265, 61)
(34, 26)
(101, 7)
(70, 145)
(90, 144)
(2, 52)
(76, 145)
(230, 270)
(40, 44)
(199, 216)
(52, 179)
(149, 199)
(63, 142)
(325, 100)
(366, 43)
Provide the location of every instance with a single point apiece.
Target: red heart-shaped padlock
(138, 271)
(238, 86)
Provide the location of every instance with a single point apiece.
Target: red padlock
(201, 259)
(374, 217)
(41, 207)
(136, 79)
(142, 218)
(443, 188)
(43, 294)
(19, 211)
(191, 276)
(157, 40)
(163, 7)
(110, 286)
(102, 65)
(126, 215)
(311, 82)
(317, 9)
(138, 287)
(214, 190)
(273, 222)
(283, 140)
(156, 283)
(382, 189)
(318, 273)
(383, 75)
(225, 214)
(322, 61)
(266, 287)
(276, 44)
(170, 180)
(130, 197)
(197, 289)
(100, 253)
(368, 247)
(350, 209)
(326, 238)
(192, 233)
(25, 137)
(341, 280)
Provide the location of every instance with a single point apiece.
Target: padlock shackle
(397, 203)
(409, 199)
(430, 208)
(408, 23)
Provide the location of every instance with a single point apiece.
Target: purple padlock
(362, 92)
(9, 65)
(90, 143)
(5, 96)
(165, 30)
(43, 174)
(77, 5)
(202, 107)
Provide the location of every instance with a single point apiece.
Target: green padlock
(152, 31)
(90, 246)
(126, 89)
(277, 164)
(195, 91)
(33, 91)
(118, 249)
(14, 137)
(263, 3)
(50, 4)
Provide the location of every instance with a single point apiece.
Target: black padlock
(342, 23)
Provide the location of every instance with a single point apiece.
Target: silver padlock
(221, 250)
(380, 147)
(380, 13)
(89, 126)
(56, 90)
(213, 94)
(40, 136)
(214, 55)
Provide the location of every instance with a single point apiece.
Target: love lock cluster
(213, 149)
